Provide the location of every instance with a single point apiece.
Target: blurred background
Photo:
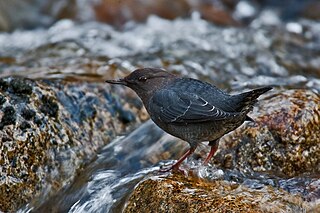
(223, 41)
(30, 14)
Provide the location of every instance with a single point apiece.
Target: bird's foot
(174, 169)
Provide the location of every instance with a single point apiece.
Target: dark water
(267, 52)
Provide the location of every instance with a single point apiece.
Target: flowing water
(106, 182)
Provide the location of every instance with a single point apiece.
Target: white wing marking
(182, 113)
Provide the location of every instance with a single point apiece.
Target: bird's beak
(118, 81)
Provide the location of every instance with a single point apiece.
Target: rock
(177, 193)
(48, 130)
(284, 140)
(118, 13)
(218, 12)
(311, 10)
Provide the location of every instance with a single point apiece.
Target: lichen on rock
(178, 193)
(48, 130)
(285, 139)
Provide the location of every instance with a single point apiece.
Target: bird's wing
(173, 107)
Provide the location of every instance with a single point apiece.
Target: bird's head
(145, 80)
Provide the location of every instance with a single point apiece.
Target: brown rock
(217, 15)
(284, 140)
(177, 193)
(119, 12)
(311, 11)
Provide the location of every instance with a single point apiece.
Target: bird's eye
(142, 78)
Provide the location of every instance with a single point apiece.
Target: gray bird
(190, 109)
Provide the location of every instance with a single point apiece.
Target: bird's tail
(246, 100)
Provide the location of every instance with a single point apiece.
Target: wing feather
(176, 107)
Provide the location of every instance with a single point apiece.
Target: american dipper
(190, 109)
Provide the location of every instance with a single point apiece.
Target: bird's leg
(184, 156)
(189, 152)
(214, 146)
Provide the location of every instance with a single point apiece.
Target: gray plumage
(190, 109)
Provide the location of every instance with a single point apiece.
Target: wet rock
(28, 114)
(21, 87)
(3, 84)
(45, 137)
(177, 193)
(8, 117)
(49, 106)
(283, 141)
(113, 12)
(2, 100)
(24, 125)
(218, 12)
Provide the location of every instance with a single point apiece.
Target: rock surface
(285, 140)
(177, 193)
(49, 129)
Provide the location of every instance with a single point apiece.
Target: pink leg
(177, 164)
(213, 150)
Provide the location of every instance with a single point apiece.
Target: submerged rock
(48, 130)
